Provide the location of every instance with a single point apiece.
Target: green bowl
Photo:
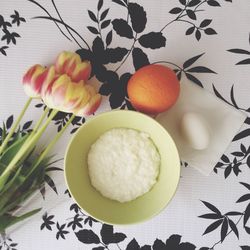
(104, 209)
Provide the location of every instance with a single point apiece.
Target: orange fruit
(153, 89)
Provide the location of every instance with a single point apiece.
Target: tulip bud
(33, 80)
(64, 95)
(71, 64)
(92, 105)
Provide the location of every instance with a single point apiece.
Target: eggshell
(195, 130)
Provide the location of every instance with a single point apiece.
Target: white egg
(195, 130)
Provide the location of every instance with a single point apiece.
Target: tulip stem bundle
(27, 147)
(13, 128)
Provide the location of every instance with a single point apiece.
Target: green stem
(53, 142)
(13, 128)
(39, 122)
(27, 147)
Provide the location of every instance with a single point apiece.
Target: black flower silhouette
(9, 37)
(47, 221)
(4, 24)
(17, 19)
(61, 232)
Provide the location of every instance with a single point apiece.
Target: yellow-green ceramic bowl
(104, 209)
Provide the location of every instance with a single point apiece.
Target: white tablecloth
(173, 33)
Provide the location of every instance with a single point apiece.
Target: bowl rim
(107, 221)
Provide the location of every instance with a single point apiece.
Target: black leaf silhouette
(76, 222)
(213, 226)
(243, 198)
(120, 2)
(104, 14)
(190, 30)
(109, 38)
(92, 16)
(210, 216)
(204, 248)
(153, 40)
(219, 95)
(146, 247)
(179, 75)
(239, 51)
(140, 59)
(246, 185)
(27, 124)
(242, 147)
(210, 31)
(93, 30)
(233, 213)
(242, 134)
(205, 23)
(105, 24)
(224, 229)
(105, 89)
(51, 183)
(122, 28)
(245, 247)
(193, 79)
(236, 168)
(98, 248)
(133, 245)
(192, 60)
(246, 61)
(213, 3)
(200, 69)
(173, 241)
(247, 121)
(175, 10)
(138, 17)
(233, 227)
(191, 14)
(3, 50)
(192, 3)
(183, 2)
(211, 207)
(9, 121)
(197, 35)
(74, 207)
(100, 4)
(4, 24)
(84, 54)
(227, 171)
(159, 245)
(108, 236)
(248, 161)
(225, 158)
(87, 236)
(115, 55)
(232, 97)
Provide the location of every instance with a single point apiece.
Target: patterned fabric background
(205, 41)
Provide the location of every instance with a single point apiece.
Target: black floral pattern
(108, 67)
(8, 36)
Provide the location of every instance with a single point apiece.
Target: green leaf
(9, 220)
(11, 151)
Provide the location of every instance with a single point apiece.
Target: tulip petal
(33, 80)
(92, 104)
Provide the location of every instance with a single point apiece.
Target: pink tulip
(92, 105)
(71, 64)
(34, 79)
(65, 95)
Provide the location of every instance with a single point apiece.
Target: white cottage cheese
(123, 164)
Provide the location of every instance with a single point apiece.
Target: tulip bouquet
(62, 87)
